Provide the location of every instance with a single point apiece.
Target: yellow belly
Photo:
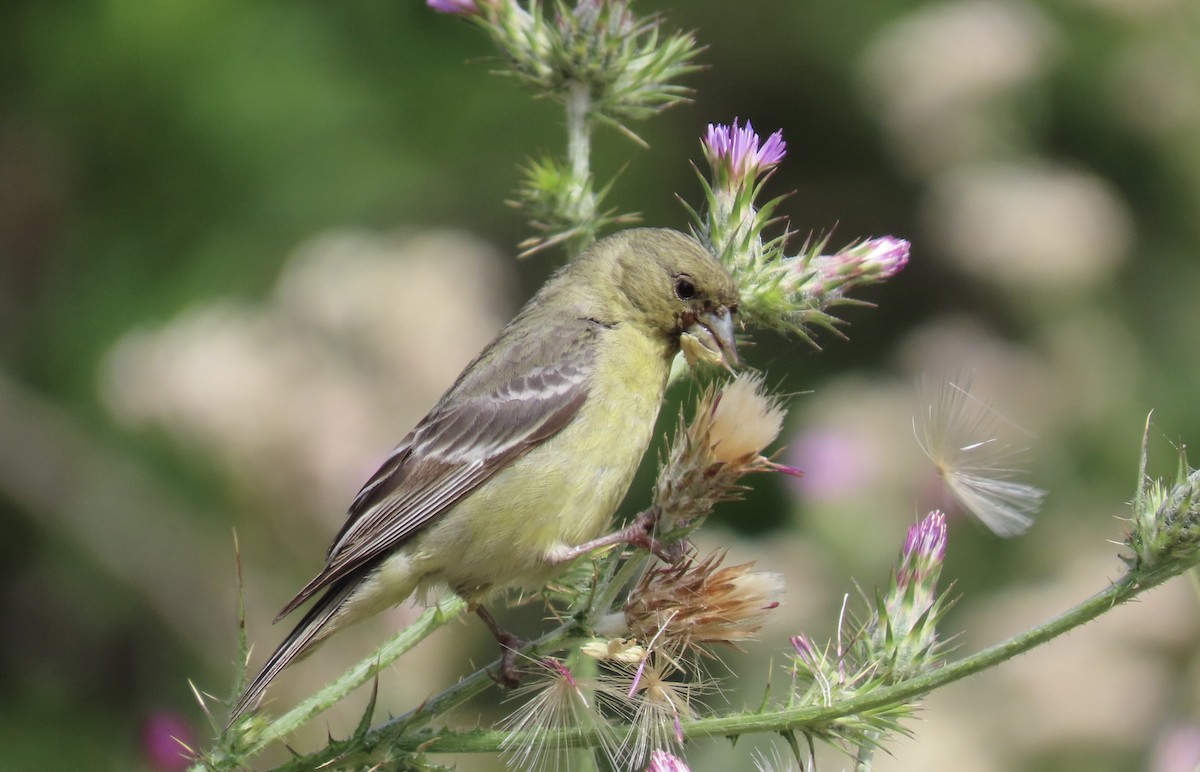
(560, 494)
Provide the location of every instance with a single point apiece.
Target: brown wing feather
(455, 449)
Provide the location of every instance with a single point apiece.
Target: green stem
(809, 718)
(438, 705)
(866, 753)
(578, 104)
(579, 129)
(402, 726)
(401, 733)
(552, 641)
(607, 595)
(359, 674)
(481, 679)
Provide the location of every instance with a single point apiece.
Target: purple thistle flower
(904, 630)
(739, 152)
(927, 538)
(457, 7)
(661, 761)
(804, 648)
(886, 256)
(870, 260)
(562, 670)
(924, 551)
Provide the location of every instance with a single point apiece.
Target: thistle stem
(360, 673)
(783, 719)
(579, 128)
(401, 733)
(608, 593)
(866, 755)
(578, 104)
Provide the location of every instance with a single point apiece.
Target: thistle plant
(1165, 527)
(642, 629)
(555, 700)
(606, 66)
(788, 293)
(723, 443)
(661, 761)
(901, 636)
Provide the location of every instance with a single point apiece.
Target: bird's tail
(310, 631)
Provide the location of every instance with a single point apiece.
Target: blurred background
(243, 246)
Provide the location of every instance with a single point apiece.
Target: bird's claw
(506, 678)
(508, 675)
(643, 536)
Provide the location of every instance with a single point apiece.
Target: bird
(521, 465)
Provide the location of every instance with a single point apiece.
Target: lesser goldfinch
(527, 456)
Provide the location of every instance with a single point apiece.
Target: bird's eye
(684, 289)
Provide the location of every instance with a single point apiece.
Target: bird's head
(675, 286)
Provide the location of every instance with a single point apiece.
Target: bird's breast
(566, 490)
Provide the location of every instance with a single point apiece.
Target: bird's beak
(710, 339)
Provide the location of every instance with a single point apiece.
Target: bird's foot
(640, 533)
(508, 676)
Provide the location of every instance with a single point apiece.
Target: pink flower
(886, 256)
(924, 549)
(738, 151)
(873, 259)
(163, 735)
(837, 464)
(661, 761)
(459, 7)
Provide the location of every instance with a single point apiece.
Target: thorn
(191, 752)
(244, 647)
(203, 705)
(364, 724)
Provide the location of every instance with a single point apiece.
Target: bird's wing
(465, 440)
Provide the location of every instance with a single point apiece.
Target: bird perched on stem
(519, 467)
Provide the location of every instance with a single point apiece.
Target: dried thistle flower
(697, 603)
(658, 698)
(743, 421)
(557, 701)
(957, 432)
(620, 650)
(724, 441)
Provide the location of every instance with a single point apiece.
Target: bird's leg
(639, 533)
(508, 676)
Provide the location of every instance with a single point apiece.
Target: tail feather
(310, 631)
